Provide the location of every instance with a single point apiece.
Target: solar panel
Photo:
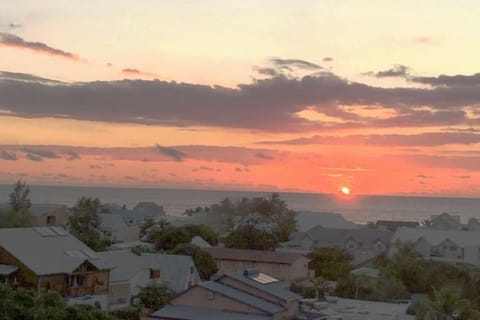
(45, 232)
(263, 278)
(59, 231)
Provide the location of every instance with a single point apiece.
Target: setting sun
(345, 190)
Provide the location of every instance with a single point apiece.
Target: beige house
(49, 215)
(248, 295)
(281, 265)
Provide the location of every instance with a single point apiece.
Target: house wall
(449, 250)
(60, 217)
(297, 270)
(199, 297)
(24, 275)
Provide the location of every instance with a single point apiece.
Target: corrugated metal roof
(254, 255)
(196, 313)
(48, 252)
(242, 297)
(277, 289)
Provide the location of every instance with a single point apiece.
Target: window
(51, 220)
(210, 295)
(154, 273)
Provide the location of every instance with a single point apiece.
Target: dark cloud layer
(270, 104)
(42, 153)
(450, 81)
(11, 40)
(298, 63)
(428, 139)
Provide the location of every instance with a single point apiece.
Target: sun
(345, 190)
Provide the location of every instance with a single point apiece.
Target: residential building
(45, 214)
(130, 273)
(264, 286)
(179, 312)
(247, 295)
(362, 244)
(454, 246)
(305, 221)
(281, 265)
(393, 225)
(51, 258)
(445, 221)
(119, 227)
(150, 211)
(178, 272)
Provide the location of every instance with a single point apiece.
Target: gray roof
(149, 209)
(198, 241)
(125, 264)
(242, 297)
(197, 313)
(174, 269)
(48, 250)
(254, 255)
(435, 237)
(277, 289)
(327, 237)
(305, 220)
(6, 270)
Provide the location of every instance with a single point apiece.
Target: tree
(19, 198)
(19, 203)
(205, 263)
(330, 263)
(85, 221)
(248, 237)
(154, 296)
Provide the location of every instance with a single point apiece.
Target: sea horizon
(356, 208)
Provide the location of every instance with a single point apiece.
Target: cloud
(264, 156)
(11, 40)
(423, 40)
(136, 72)
(427, 139)
(398, 70)
(33, 157)
(17, 76)
(450, 81)
(171, 153)
(298, 63)
(5, 155)
(422, 176)
(271, 104)
(42, 153)
(463, 177)
(71, 155)
(327, 59)
(95, 166)
(12, 25)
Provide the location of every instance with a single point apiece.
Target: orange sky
(270, 96)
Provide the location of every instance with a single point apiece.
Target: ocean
(354, 208)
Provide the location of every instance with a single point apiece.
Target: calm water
(358, 209)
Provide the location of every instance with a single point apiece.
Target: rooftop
(196, 313)
(48, 250)
(254, 255)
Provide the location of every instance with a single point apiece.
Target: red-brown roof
(254, 255)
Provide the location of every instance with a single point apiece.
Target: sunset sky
(382, 97)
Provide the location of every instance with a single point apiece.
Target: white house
(455, 246)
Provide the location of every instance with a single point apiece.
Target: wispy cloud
(136, 72)
(264, 156)
(33, 157)
(398, 70)
(11, 40)
(43, 153)
(171, 153)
